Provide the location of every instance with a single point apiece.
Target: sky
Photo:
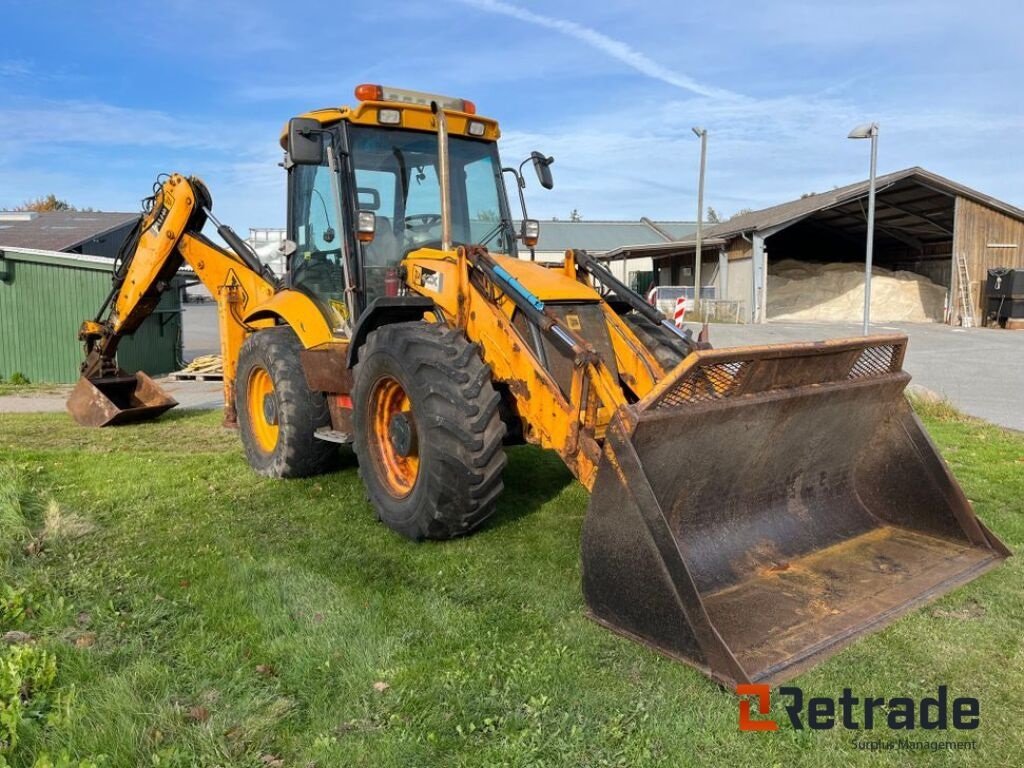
(98, 98)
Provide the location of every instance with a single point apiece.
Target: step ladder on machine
(963, 284)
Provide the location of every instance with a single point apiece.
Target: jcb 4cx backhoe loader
(752, 510)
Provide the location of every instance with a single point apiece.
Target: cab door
(317, 227)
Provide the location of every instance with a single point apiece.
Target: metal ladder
(963, 284)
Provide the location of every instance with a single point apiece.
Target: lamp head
(866, 131)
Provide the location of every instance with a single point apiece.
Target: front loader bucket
(104, 402)
(765, 506)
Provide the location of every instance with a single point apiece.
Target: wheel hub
(263, 412)
(401, 432)
(393, 437)
(270, 408)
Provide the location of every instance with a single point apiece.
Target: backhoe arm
(168, 234)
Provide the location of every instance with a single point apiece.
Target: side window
(315, 214)
(375, 191)
(482, 202)
(316, 265)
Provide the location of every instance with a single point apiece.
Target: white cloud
(106, 156)
(643, 161)
(616, 49)
(15, 68)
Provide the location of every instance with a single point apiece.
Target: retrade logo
(764, 706)
(822, 713)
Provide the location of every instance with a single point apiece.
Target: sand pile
(800, 290)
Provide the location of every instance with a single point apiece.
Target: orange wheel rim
(262, 405)
(393, 437)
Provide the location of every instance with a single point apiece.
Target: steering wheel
(429, 221)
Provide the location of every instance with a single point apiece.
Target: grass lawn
(7, 388)
(185, 612)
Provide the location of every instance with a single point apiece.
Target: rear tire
(428, 432)
(277, 411)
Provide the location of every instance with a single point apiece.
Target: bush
(18, 379)
(27, 677)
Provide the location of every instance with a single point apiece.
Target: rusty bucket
(765, 506)
(120, 399)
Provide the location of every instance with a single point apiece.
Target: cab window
(316, 266)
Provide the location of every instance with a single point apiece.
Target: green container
(45, 296)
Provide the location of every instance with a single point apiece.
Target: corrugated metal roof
(797, 209)
(677, 230)
(58, 230)
(601, 236)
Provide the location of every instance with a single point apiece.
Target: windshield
(396, 178)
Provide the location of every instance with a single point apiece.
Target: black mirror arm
(520, 186)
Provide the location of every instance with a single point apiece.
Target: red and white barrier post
(680, 312)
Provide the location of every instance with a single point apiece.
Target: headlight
(530, 232)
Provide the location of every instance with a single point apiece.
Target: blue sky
(97, 98)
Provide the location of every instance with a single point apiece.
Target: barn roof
(58, 230)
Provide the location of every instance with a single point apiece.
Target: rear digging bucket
(104, 402)
(765, 506)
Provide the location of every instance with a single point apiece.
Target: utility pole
(869, 131)
(702, 134)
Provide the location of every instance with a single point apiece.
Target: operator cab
(363, 187)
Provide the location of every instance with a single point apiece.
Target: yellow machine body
(753, 510)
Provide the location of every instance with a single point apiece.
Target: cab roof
(415, 117)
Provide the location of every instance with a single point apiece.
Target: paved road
(199, 395)
(200, 331)
(979, 370)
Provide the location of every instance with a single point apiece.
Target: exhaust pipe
(443, 176)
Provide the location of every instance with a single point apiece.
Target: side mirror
(305, 142)
(542, 165)
(366, 226)
(530, 232)
(368, 198)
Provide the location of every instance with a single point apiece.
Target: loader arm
(168, 235)
(477, 291)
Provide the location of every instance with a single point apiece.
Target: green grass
(200, 615)
(9, 388)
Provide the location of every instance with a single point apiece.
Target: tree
(43, 204)
(575, 215)
(712, 216)
(741, 212)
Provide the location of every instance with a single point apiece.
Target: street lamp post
(869, 131)
(702, 134)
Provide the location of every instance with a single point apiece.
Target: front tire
(277, 411)
(428, 432)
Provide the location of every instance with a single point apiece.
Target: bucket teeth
(119, 399)
(765, 506)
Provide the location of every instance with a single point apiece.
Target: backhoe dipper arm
(169, 234)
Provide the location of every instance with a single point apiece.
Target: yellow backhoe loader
(753, 509)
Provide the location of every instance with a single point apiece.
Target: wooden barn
(924, 224)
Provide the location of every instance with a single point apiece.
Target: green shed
(45, 296)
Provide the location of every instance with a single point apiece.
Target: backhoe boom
(168, 235)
